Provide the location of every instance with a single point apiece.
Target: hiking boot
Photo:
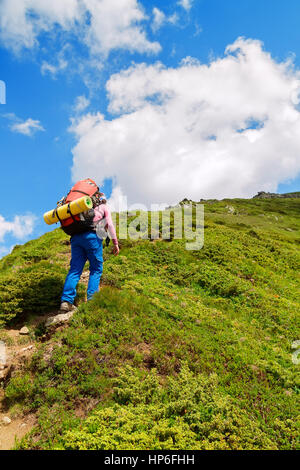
(66, 307)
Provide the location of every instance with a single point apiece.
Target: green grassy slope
(179, 350)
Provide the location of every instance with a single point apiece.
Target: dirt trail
(19, 349)
(15, 430)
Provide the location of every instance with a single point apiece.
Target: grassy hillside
(179, 350)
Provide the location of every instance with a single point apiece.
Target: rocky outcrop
(264, 195)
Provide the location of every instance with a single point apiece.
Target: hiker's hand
(116, 250)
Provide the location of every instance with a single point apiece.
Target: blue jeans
(84, 246)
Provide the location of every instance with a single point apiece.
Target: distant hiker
(87, 231)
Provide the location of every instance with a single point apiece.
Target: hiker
(91, 227)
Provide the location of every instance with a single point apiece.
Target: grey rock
(24, 331)
(27, 349)
(6, 420)
(59, 319)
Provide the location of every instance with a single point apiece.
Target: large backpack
(82, 222)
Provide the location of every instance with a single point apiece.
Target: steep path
(18, 350)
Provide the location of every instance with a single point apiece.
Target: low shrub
(35, 289)
(188, 413)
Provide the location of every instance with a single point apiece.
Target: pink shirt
(103, 212)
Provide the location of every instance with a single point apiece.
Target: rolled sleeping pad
(76, 207)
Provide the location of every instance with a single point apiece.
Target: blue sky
(48, 60)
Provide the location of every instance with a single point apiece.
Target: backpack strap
(70, 212)
(56, 213)
(77, 191)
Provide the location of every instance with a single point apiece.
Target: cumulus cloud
(101, 25)
(116, 24)
(21, 22)
(28, 127)
(20, 227)
(226, 129)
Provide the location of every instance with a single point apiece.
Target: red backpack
(82, 222)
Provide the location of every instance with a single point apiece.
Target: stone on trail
(59, 319)
(27, 349)
(24, 331)
(6, 420)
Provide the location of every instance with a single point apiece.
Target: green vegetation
(179, 350)
(32, 277)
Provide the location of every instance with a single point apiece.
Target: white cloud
(81, 103)
(102, 25)
(198, 30)
(186, 4)
(53, 69)
(20, 227)
(21, 21)
(28, 127)
(116, 24)
(227, 129)
(159, 19)
(5, 250)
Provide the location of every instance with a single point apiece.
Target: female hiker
(87, 245)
